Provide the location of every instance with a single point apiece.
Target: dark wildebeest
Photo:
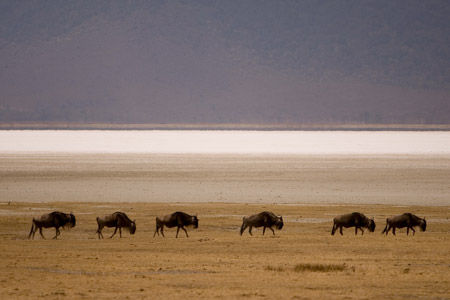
(55, 219)
(265, 219)
(355, 219)
(118, 220)
(407, 220)
(178, 219)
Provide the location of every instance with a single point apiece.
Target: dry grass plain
(302, 261)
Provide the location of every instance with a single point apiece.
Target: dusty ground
(215, 262)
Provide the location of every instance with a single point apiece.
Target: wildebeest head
(280, 223)
(194, 221)
(423, 225)
(71, 222)
(133, 227)
(371, 225)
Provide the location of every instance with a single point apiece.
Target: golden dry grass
(303, 261)
(215, 262)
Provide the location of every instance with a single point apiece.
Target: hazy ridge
(221, 126)
(234, 62)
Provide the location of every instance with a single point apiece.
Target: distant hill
(279, 62)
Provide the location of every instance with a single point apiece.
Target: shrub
(319, 268)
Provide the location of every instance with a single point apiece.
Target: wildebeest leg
(158, 227)
(243, 227)
(31, 231)
(34, 232)
(340, 230)
(393, 230)
(385, 229)
(57, 233)
(99, 231)
(389, 229)
(273, 232)
(40, 232)
(120, 232)
(250, 230)
(185, 231)
(115, 230)
(162, 231)
(356, 230)
(264, 230)
(414, 232)
(178, 229)
(99, 228)
(333, 230)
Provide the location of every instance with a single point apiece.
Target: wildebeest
(118, 220)
(355, 219)
(178, 219)
(265, 219)
(407, 220)
(55, 219)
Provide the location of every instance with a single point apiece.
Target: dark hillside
(225, 61)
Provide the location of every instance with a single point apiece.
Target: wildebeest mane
(66, 220)
(128, 221)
